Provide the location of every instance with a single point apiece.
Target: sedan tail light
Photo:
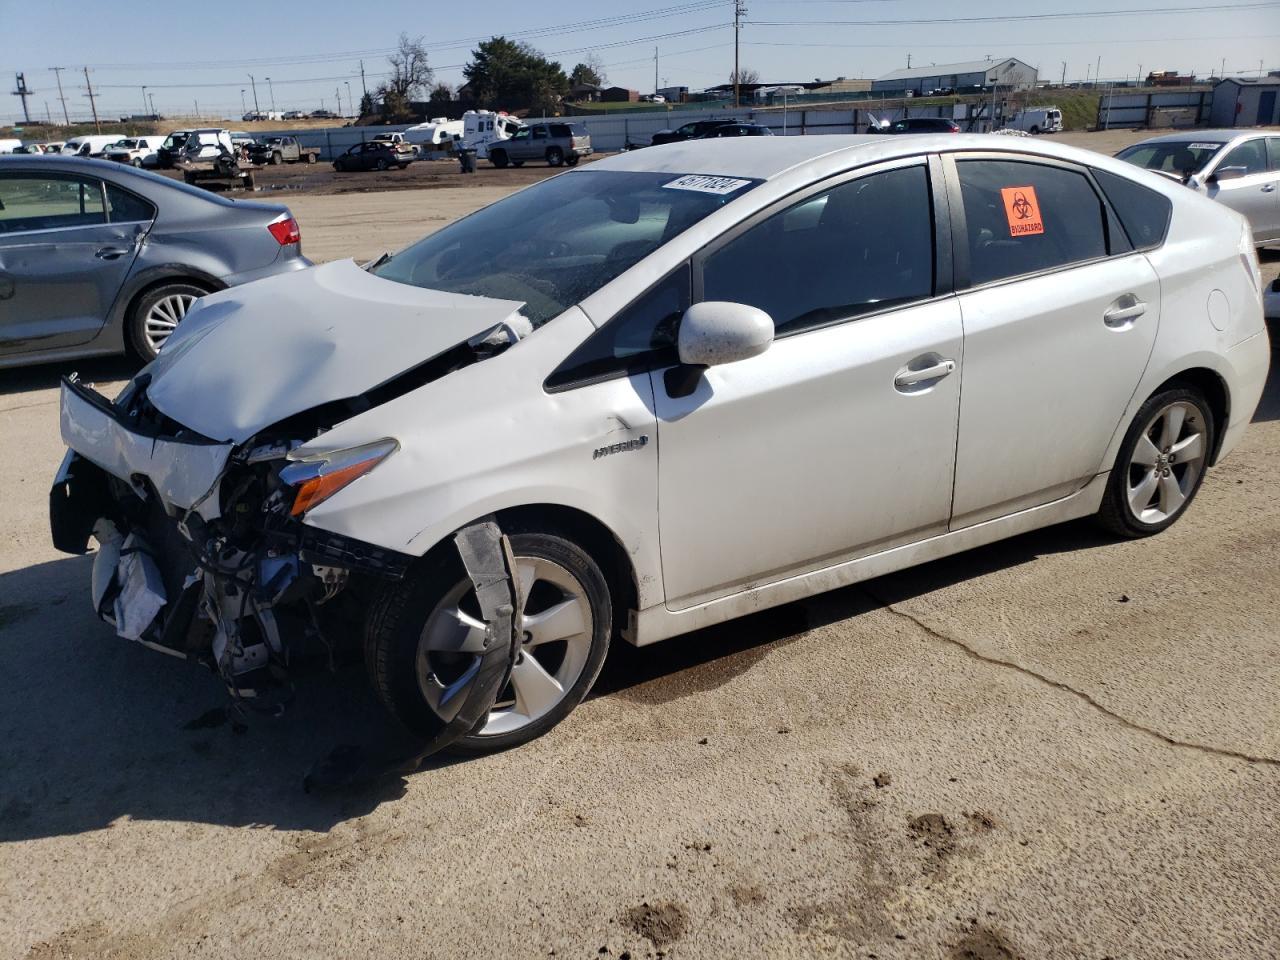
(285, 230)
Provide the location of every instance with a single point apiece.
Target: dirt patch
(981, 821)
(882, 779)
(661, 923)
(983, 943)
(935, 834)
(747, 894)
(77, 942)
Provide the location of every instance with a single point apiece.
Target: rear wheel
(423, 634)
(311, 158)
(157, 314)
(555, 156)
(499, 158)
(571, 160)
(1161, 464)
(1035, 131)
(381, 164)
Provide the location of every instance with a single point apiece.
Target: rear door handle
(908, 377)
(1125, 310)
(112, 253)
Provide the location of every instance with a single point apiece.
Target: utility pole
(22, 92)
(1064, 73)
(655, 69)
(57, 72)
(47, 115)
(1140, 83)
(243, 109)
(351, 104)
(144, 98)
(339, 96)
(272, 90)
(908, 61)
(739, 11)
(92, 103)
(1097, 73)
(363, 87)
(152, 98)
(253, 83)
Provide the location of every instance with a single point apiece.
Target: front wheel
(276, 159)
(424, 633)
(499, 158)
(1161, 464)
(136, 162)
(157, 314)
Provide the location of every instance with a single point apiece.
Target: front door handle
(908, 377)
(1124, 311)
(1269, 188)
(112, 253)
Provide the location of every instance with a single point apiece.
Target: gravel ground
(1060, 746)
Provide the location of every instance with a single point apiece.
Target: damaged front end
(202, 552)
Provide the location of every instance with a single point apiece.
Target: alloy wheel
(1167, 462)
(164, 316)
(555, 645)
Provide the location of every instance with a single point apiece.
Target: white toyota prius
(668, 389)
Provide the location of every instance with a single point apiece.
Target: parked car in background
(171, 148)
(137, 151)
(293, 115)
(694, 130)
(324, 115)
(278, 150)
(1036, 120)
(617, 404)
(398, 144)
(91, 146)
(9, 145)
(923, 125)
(1271, 300)
(736, 130)
(370, 156)
(100, 258)
(29, 150)
(1238, 169)
(556, 143)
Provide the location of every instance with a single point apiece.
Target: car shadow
(95, 728)
(47, 376)
(1269, 405)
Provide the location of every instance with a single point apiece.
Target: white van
(8, 146)
(91, 146)
(1036, 120)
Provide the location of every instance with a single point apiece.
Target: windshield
(127, 144)
(559, 241)
(1179, 157)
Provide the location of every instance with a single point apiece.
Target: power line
(1008, 18)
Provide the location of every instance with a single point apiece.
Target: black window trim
(155, 210)
(943, 270)
(1111, 222)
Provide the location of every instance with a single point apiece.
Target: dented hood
(248, 357)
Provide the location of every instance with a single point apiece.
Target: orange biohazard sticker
(1022, 210)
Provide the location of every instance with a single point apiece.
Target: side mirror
(1228, 173)
(716, 332)
(713, 333)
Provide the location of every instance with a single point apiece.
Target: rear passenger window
(1252, 155)
(49, 203)
(1023, 218)
(1143, 212)
(863, 246)
(125, 207)
(1273, 149)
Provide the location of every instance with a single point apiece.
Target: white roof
(945, 69)
(765, 158)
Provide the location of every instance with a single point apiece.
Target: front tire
(498, 158)
(276, 159)
(420, 628)
(1161, 464)
(157, 314)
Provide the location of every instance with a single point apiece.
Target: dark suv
(924, 125)
(690, 131)
(555, 143)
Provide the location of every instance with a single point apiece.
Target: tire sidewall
(555, 156)
(498, 158)
(1116, 512)
(136, 333)
(396, 625)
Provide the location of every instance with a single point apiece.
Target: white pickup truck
(1036, 120)
(138, 151)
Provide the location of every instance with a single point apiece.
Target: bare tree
(596, 66)
(745, 75)
(410, 72)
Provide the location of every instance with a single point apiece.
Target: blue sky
(186, 52)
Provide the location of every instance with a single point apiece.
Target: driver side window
(1252, 155)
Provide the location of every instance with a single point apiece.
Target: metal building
(974, 74)
(1246, 102)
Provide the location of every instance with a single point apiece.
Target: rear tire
(571, 160)
(1161, 464)
(1035, 131)
(403, 619)
(499, 158)
(311, 158)
(381, 164)
(157, 314)
(555, 156)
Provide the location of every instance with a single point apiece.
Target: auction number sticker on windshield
(1205, 146)
(705, 184)
(1022, 210)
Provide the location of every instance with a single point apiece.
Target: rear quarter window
(1143, 212)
